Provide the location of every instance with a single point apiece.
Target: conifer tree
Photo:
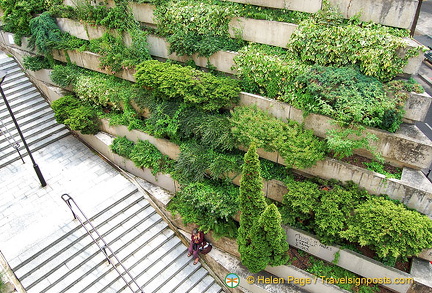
(251, 199)
(268, 242)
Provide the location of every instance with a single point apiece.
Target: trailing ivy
(178, 83)
(298, 147)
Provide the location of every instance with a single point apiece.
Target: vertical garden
(344, 69)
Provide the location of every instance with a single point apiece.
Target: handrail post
(67, 201)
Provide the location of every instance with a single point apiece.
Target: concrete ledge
(273, 33)
(407, 147)
(311, 6)
(414, 196)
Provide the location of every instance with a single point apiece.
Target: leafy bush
(379, 168)
(18, 14)
(196, 162)
(267, 70)
(146, 155)
(36, 63)
(175, 82)
(326, 39)
(322, 208)
(209, 204)
(346, 95)
(298, 147)
(78, 116)
(196, 28)
(391, 229)
(115, 55)
(122, 146)
(65, 76)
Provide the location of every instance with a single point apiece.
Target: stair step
(19, 104)
(146, 236)
(17, 88)
(192, 281)
(36, 145)
(71, 229)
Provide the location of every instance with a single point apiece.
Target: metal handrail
(69, 200)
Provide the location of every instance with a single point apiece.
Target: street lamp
(35, 166)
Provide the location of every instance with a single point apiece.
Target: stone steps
(32, 112)
(140, 239)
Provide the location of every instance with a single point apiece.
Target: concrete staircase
(144, 243)
(32, 112)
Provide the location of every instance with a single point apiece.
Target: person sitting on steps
(197, 243)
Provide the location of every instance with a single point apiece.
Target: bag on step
(206, 248)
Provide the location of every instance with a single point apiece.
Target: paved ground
(29, 212)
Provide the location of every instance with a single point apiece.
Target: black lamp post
(35, 166)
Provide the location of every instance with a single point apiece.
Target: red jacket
(198, 239)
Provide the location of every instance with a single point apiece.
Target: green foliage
(45, 33)
(175, 82)
(180, 122)
(18, 14)
(322, 208)
(252, 203)
(196, 162)
(391, 229)
(298, 147)
(105, 91)
(326, 39)
(209, 204)
(268, 242)
(380, 168)
(342, 142)
(63, 106)
(321, 268)
(196, 28)
(77, 116)
(346, 95)
(267, 70)
(117, 17)
(115, 56)
(65, 76)
(122, 146)
(36, 63)
(261, 239)
(146, 155)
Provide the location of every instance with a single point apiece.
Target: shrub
(122, 146)
(196, 162)
(175, 82)
(298, 147)
(35, 63)
(268, 242)
(209, 204)
(146, 155)
(391, 229)
(71, 112)
(326, 39)
(196, 28)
